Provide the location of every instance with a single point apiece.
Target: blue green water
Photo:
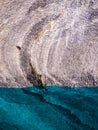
(57, 108)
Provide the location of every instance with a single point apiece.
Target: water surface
(57, 108)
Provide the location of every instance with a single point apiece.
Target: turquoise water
(57, 108)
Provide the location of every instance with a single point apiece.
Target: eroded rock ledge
(49, 42)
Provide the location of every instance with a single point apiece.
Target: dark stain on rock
(34, 78)
(40, 3)
(77, 3)
(88, 80)
(38, 26)
(93, 14)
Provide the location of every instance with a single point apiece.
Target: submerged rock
(49, 42)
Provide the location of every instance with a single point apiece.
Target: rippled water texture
(57, 108)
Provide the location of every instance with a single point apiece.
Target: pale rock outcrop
(48, 42)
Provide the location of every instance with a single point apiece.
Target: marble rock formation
(48, 42)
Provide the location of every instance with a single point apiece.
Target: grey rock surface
(48, 42)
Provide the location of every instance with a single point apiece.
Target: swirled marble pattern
(49, 42)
